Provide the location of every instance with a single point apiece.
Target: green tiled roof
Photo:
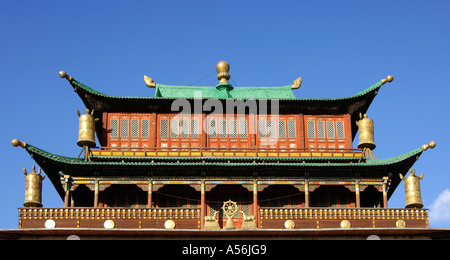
(222, 161)
(284, 92)
(53, 164)
(244, 93)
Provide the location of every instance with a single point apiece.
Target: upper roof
(166, 94)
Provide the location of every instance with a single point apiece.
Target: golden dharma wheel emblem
(230, 208)
(289, 224)
(169, 224)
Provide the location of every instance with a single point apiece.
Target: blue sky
(339, 48)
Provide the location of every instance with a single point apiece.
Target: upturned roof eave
(87, 90)
(241, 161)
(351, 105)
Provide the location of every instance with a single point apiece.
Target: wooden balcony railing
(224, 152)
(189, 218)
(185, 218)
(108, 213)
(342, 213)
(335, 217)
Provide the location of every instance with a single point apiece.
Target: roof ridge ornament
(297, 83)
(389, 79)
(149, 82)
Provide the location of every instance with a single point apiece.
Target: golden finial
(223, 68)
(297, 83)
(149, 82)
(431, 145)
(389, 79)
(16, 142)
(63, 74)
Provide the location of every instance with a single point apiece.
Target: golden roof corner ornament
(389, 79)
(63, 74)
(223, 68)
(16, 142)
(431, 145)
(297, 83)
(149, 82)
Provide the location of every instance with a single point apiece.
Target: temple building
(223, 161)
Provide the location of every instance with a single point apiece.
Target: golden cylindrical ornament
(412, 192)
(33, 189)
(366, 133)
(86, 131)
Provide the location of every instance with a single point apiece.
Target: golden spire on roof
(223, 68)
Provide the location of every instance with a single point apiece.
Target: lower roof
(180, 167)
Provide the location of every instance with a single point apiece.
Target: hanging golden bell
(412, 190)
(33, 188)
(366, 133)
(86, 130)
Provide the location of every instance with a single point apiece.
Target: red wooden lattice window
(228, 131)
(178, 130)
(278, 131)
(129, 130)
(331, 132)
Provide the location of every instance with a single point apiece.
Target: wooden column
(306, 194)
(96, 194)
(153, 137)
(255, 200)
(202, 205)
(385, 199)
(203, 132)
(66, 190)
(149, 196)
(358, 197)
(252, 127)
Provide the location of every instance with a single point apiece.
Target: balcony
(189, 218)
(334, 217)
(104, 152)
(185, 218)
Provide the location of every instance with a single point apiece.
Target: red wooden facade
(331, 132)
(129, 130)
(282, 132)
